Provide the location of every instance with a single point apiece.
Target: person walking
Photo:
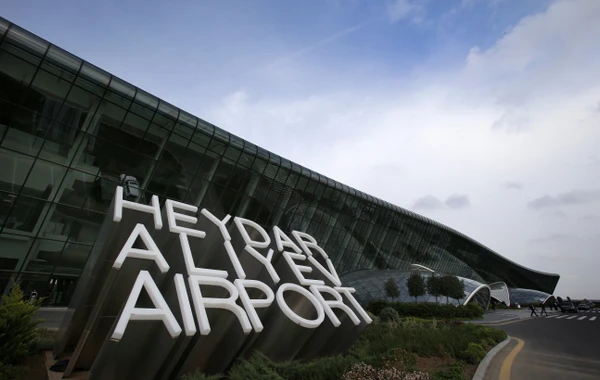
(532, 308)
(543, 310)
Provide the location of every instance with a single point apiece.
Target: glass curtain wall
(70, 133)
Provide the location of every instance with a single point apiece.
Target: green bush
(428, 310)
(12, 372)
(412, 322)
(197, 375)
(18, 327)
(449, 338)
(258, 366)
(491, 333)
(401, 359)
(454, 372)
(381, 349)
(372, 316)
(473, 354)
(488, 343)
(389, 314)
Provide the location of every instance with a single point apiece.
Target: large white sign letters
(300, 251)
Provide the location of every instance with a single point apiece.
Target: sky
(481, 114)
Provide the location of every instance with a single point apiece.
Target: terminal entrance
(56, 291)
(60, 290)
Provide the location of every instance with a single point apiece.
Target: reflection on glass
(70, 133)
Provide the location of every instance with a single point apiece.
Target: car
(568, 307)
(583, 306)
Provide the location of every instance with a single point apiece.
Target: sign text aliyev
(297, 252)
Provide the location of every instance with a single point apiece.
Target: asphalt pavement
(51, 317)
(558, 346)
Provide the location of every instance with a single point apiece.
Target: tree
(391, 289)
(445, 286)
(451, 287)
(458, 289)
(18, 325)
(416, 285)
(433, 286)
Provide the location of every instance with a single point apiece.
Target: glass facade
(71, 132)
(370, 286)
(528, 296)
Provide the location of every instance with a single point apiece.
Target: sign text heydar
(297, 252)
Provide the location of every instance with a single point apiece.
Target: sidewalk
(52, 317)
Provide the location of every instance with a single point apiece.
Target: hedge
(428, 310)
(381, 344)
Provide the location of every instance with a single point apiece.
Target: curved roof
(482, 290)
(475, 260)
(500, 292)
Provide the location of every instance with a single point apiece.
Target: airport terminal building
(70, 133)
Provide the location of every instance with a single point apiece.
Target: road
(560, 346)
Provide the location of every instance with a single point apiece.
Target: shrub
(454, 372)
(43, 341)
(17, 326)
(11, 372)
(473, 354)
(381, 352)
(372, 316)
(362, 371)
(428, 310)
(449, 339)
(258, 366)
(389, 314)
(491, 333)
(412, 322)
(488, 343)
(197, 375)
(401, 359)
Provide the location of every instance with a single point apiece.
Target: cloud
(512, 121)
(456, 201)
(427, 202)
(430, 202)
(434, 122)
(513, 185)
(400, 9)
(589, 219)
(323, 42)
(553, 238)
(555, 214)
(593, 161)
(573, 197)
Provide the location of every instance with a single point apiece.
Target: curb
(485, 363)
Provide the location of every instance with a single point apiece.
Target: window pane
(24, 214)
(51, 85)
(16, 65)
(44, 179)
(155, 136)
(72, 259)
(45, 257)
(77, 187)
(174, 150)
(15, 167)
(74, 224)
(192, 158)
